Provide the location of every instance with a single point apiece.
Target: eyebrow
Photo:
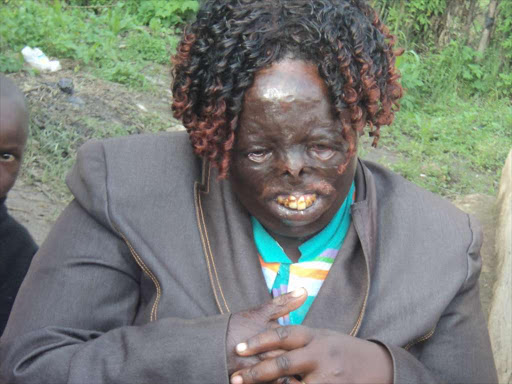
(11, 148)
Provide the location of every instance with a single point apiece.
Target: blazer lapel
(231, 256)
(342, 295)
(341, 302)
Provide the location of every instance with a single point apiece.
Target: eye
(321, 152)
(7, 157)
(259, 156)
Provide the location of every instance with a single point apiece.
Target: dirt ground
(96, 102)
(93, 108)
(33, 208)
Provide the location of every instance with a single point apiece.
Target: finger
(271, 354)
(287, 338)
(296, 362)
(284, 304)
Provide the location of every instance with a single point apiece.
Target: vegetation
(454, 129)
(117, 41)
(451, 135)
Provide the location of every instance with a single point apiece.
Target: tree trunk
(468, 21)
(489, 22)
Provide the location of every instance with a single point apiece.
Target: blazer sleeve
(459, 349)
(73, 320)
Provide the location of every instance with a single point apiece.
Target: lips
(298, 203)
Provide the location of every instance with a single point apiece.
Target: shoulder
(144, 149)
(397, 196)
(424, 230)
(131, 169)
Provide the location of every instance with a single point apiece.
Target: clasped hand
(259, 350)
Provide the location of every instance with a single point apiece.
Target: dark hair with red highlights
(232, 39)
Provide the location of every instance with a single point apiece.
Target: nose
(293, 164)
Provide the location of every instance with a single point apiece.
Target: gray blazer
(137, 280)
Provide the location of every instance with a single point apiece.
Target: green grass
(453, 147)
(113, 43)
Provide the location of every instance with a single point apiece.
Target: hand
(315, 355)
(244, 325)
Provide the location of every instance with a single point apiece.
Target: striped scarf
(317, 256)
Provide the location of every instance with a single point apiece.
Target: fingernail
(241, 347)
(298, 292)
(237, 380)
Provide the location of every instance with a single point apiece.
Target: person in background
(16, 245)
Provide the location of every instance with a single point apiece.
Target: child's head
(13, 133)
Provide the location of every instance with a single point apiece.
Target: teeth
(299, 204)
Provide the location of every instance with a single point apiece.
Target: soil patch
(93, 108)
(33, 208)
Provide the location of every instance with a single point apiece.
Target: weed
(167, 13)
(10, 62)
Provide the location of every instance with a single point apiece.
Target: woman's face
(288, 149)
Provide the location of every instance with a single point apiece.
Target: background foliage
(455, 125)
(117, 39)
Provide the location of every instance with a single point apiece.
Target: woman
(162, 268)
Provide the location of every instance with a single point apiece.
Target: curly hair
(230, 40)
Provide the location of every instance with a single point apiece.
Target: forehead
(287, 99)
(13, 123)
(288, 81)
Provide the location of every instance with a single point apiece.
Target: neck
(290, 245)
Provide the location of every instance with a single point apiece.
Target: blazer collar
(235, 272)
(364, 212)
(341, 302)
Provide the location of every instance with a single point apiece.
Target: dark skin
(244, 325)
(289, 143)
(13, 137)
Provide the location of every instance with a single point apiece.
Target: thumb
(284, 304)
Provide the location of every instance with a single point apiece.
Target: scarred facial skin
(13, 137)
(288, 149)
